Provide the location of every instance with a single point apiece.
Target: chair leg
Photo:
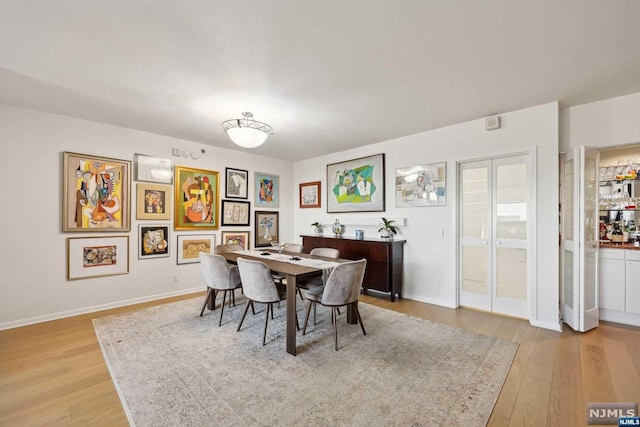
(224, 297)
(266, 321)
(355, 305)
(314, 314)
(206, 300)
(233, 296)
(253, 310)
(246, 308)
(300, 293)
(334, 317)
(306, 316)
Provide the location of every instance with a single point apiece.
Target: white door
(580, 240)
(495, 200)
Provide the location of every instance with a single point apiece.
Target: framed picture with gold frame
(310, 194)
(190, 246)
(96, 193)
(236, 238)
(197, 197)
(153, 201)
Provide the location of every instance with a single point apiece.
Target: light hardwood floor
(54, 374)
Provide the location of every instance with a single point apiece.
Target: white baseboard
(441, 303)
(620, 317)
(92, 309)
(547, 325)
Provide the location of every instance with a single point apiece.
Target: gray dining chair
(316, 281)
(259, 287)
(292, 248)
(342, 289)
(219, 276)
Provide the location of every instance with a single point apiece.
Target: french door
(580, 239)
(495, 229)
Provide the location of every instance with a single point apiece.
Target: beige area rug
(174, 368)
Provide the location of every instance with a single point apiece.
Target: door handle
(485, 242)
(498, 243)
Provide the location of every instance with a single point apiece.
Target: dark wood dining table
(293, 273)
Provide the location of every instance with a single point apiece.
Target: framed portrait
(153, 241)
(310, 194)
(356, 185)
(237, 183)
(96, 193)
(153, 169)
(196, 199)
(421, 185)
(266, 228)
(190, 246)
(89, 257)
(267, 193)
(235, 212)
(153, 201)
(236, 238)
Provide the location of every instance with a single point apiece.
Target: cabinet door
(612, 284)
(633, 287)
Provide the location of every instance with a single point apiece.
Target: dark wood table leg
(291, 315)
(351, 314)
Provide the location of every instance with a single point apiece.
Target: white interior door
(580, 240)
(494, 235)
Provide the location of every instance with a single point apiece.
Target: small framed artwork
(153, 241)
(196, 199)
(266, 190)
(356, 185)
(266, 228)
(89, 257)
(96, 193)
(190, 246)
(236, 238)
(421, 185)
(153, 169)
(153, 201)
(237, 183)
(235, 212)
(310, 194)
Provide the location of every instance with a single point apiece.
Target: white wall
(430, 262)
(607, 123)
(33, 285)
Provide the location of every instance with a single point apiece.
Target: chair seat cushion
(314, 282)
(314, 294)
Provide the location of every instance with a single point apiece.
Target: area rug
(174, 368)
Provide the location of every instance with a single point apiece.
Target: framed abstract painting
(266, 190)
(89, 257)
(190, 246)
(196, 199)
(356, 185)
(236, 238)
(96, 193)
(237, 183)
(153, 201)
(153, 241)
(421, 185)
(235, 212)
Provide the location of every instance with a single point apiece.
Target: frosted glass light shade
(247, 137)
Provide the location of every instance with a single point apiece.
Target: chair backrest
(228, 247)
(344, 283)
(217, 273)
(257, 282)
(293, 247)
(325, 252)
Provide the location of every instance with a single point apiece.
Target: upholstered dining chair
(218, 275)
(317, 281)
(259, 287)
(342, 289)
(289, 247)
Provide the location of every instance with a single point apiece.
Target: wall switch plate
(176, 152)
(438, 233)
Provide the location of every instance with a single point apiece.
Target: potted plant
(318, 228)
(388, 229)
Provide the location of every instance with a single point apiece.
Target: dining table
(293, 272)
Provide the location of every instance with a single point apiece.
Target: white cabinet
(633, 282)
(620, 285)
(612, 279)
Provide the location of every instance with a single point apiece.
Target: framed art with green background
(197, 196)
(356, 185)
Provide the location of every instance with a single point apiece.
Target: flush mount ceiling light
(247, 132)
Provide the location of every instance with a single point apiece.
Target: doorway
(495, 228)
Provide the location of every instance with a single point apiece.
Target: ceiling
(327, 76)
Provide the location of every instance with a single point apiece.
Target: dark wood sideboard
(384, 259)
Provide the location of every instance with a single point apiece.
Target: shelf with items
(604, 183)
(602, 208)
